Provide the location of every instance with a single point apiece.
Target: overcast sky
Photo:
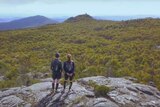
(57, 8)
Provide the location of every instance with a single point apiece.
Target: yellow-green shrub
(101, 90)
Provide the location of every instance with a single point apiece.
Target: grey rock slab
(40, 86)
(2, 78)
(124, 93)
(39, 95)
(13, 91)
(118, 82)
(158, 47)
(100, 80)
(46, 80)
(11, 101)
(101, 102)
(150, 104)
(28, 105)
(76, 92)
(68, 97)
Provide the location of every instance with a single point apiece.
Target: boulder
(2, 78)
(158, 47)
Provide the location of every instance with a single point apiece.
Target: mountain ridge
(28, 22)
(38, 20)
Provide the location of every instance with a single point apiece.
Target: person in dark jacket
(69, 68)
(56, 67)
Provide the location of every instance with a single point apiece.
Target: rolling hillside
(34, 21)
(108, 48)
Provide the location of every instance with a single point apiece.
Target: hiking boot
(52, 90)
(56, 91)
(63, 91)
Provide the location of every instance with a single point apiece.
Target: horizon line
(57, 16)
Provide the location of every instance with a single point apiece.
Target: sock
(64, 85)
(53, 86)
(57, 86)
(70, 85)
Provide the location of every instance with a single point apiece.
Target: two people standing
(57, 68)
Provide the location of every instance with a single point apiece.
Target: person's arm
(52, 65)
(61, 67)
(73, 67)
(64, 67)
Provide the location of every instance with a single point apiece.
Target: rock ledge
(124, 93)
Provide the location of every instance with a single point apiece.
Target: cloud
(16, 1)
(74, 7)
(46, 1)
(31, 1)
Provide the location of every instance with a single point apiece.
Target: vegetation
(127, 48)
(99, 90)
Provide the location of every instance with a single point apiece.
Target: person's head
(69, 57)
(57, 55)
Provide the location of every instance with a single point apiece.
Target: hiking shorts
(56, 76)
(68, 77)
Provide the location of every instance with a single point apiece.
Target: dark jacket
(56, 66)
(69, 67)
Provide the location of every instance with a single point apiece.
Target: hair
(57, 55)
(69, 56)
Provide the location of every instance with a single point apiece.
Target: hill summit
(83, 17)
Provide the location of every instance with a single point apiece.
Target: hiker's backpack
(56, 66)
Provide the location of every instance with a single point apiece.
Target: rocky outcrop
(158, 47)
(2, 78)
(123, 93)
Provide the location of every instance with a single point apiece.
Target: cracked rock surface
(123, 93)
